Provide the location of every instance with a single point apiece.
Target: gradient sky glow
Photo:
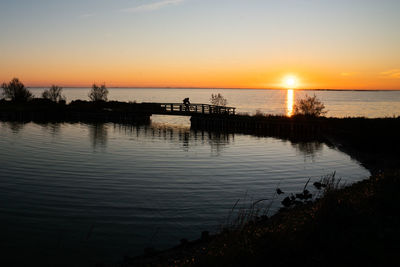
(342, 44)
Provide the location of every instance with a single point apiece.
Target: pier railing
(187, 109)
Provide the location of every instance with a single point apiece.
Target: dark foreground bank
(357, 225)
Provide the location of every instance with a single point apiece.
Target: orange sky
(207, 77)
(187, 43)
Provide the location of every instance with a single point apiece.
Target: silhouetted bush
(54, 93)
(309, 106)
(16, 91)
(218, 100)
(98, 93)
(259, 113)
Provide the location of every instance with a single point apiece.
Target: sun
(290, 82)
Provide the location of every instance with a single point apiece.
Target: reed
(351, 225)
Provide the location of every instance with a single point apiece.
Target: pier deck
(190, 109)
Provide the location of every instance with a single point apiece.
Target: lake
(79, 194)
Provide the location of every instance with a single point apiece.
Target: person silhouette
(186, 102)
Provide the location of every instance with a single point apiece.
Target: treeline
(15, 91)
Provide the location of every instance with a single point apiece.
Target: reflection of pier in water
(187, 138)
(308, 149)
(182, 136)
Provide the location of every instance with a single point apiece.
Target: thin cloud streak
(391, 74)
(152, 6)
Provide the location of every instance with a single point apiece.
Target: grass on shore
(355, 225)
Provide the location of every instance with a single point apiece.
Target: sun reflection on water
(289, 102)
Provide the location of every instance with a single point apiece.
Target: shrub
(309, 106)
(54, 93)
(98, 93)
(16, 91)
(218, 100)
(259, 113)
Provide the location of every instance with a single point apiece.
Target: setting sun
(290, 82)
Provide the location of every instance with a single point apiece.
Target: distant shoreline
(215, 88)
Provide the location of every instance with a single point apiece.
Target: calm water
(338, 103)
(83, 193)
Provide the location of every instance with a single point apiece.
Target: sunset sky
(333, 44)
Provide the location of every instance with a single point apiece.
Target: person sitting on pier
(186, 102)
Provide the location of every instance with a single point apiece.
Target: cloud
(348, 74)
(391, 74)
(152, 6)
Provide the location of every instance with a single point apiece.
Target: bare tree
(54, 93)
(16, 91)
(98, 93)
(309, 106)
(218, 100)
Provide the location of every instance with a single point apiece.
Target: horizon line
(224, 88)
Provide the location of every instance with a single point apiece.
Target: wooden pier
(283, 127)
(203, 116)
(220, 118)
(191, 109)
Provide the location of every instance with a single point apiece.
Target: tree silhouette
(16, 91)
(309, 106)
(218, 100)
(98, 93)
(54, 93)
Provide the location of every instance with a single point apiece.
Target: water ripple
(105, 189)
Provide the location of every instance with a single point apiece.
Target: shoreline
(333, 214)
(373, 146)
(373, 142)
(225, 88)
(350, 225)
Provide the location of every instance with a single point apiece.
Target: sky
(322, 44)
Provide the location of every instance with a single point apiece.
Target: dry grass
(354, 225)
